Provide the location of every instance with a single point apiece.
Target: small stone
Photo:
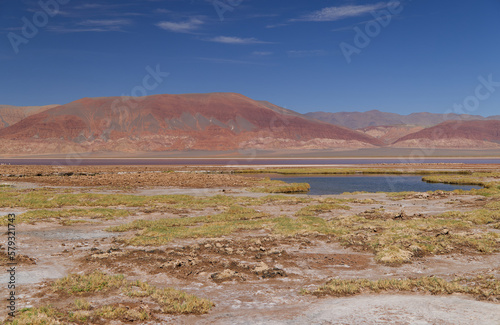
(275, 250)
(261, 267)
(224, 275)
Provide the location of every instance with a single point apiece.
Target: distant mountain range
(455, 134)
(226, 122)
(360, 120)
(216, 121)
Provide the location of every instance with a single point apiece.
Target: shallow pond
(390, 183)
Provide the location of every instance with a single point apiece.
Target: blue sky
(419, 55)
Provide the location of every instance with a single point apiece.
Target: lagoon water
(339, 184)
(76, 160)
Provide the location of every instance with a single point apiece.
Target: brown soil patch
(222, 260)
(20, 259)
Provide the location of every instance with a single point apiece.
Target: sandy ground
(371, 309)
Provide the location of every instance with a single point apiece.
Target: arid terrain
(223, 245)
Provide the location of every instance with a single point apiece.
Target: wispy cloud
(262, 53)
(306, 53)
(350, 27)
(188, 26)
(341, 12)
(276, 25)
(106, 22)
(100, 6)
(162, 11)
(91, 6)
(236, 40)
(262, 16)
(63, 29)
(92, 25)
(230, 61)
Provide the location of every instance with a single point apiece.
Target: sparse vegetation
(489, 180)
(393, 241)
(158, 232)
(313, 210)
(88, 283)
(46, 315)
(482, 288)
(117, 312)
(348, 171)
(272, 186)
(34, 216)
(82, 304)
(166, 300)
(171, 301)
(478, 217)
(471, 179)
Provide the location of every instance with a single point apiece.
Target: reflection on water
(340, 184)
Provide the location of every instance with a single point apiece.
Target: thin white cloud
(162, 11)
(62, 29)
(341, 12)
(262, 53)
(306, 53)
(91, 6)
(181, 27)
(350, 27)
(276, 25)
(92, 25)
(102, 6)
(235, 40)
(230, 61)
(106, 22)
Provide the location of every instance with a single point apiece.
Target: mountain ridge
(359, 120)
(214, 121)
(228, 122)
(10, 114)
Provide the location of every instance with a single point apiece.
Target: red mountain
(390, 133)
(455, 134)
(359, 120)
(12, 114)
(216, 121)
